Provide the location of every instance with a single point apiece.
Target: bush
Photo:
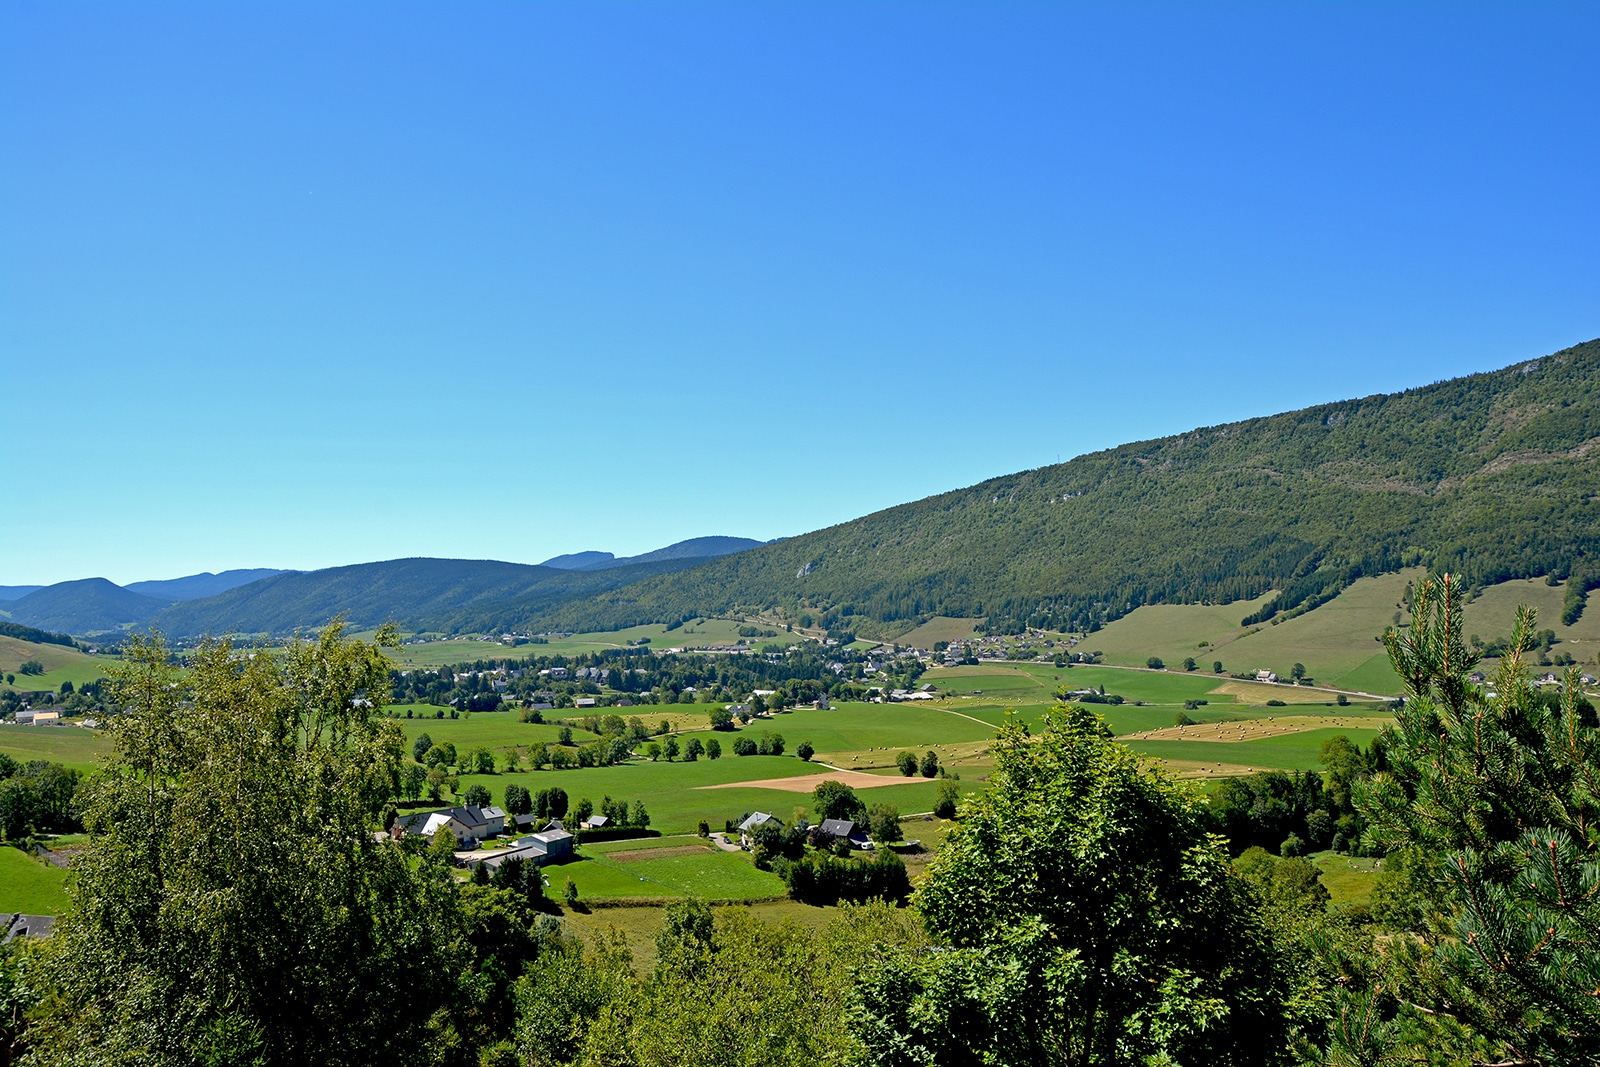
(944, 806)
(825, 880)
(1292, 846)
(1182, 719)
(883, 823)
(1276, 704)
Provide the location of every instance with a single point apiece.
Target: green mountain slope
(1494, 476)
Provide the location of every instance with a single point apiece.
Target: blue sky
(302, 285)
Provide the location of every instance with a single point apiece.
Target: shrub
(945, 805)
(825, 880)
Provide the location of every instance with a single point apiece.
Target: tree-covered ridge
(1492, 476)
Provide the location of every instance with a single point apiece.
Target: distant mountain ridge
(88, 605)
(694, 548)
(1493, 476)
(417, 594)
(16, 592)
(195, 586)
(433, 594)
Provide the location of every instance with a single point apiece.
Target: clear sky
(301, 285)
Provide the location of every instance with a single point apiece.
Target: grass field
(1335, 641)
(640, 925)
(61, 663)
(1494, 612)
(1289, 752)
(687, 866)
(1349, 879)
(30, 885)
(76, 748)
(939, 628)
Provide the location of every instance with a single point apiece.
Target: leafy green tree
(518, 800)
(1155, 664)
(713, 748)
(31, 667)
(907, 762)
(721, 719)
(693, 750)
(232, 904)
(930, 764)
(1298, 671)
(805, 751)
(19, 805)
(1189, 663)
(947, 796)
(670, 749)
(883, 822)
(744, 746)
(476, 796)
(481, 760)
(1091, 919)
(835, 800)
(582, 810)
(1487, 808)
(1216, 666)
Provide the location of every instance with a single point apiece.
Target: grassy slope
(1289, 752)
(61, 662)
(30, 885)
(1493, 614)
(76, 748)
(1335, 642)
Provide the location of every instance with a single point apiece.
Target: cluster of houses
(471, 825)
(837, 829)
(38, 718)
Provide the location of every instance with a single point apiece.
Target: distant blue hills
(419, 594)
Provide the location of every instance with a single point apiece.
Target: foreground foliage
(1490, 809)
(1091, 919)
(233, 906)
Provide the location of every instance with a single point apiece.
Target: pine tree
(1491, 812)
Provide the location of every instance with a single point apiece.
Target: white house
(755, 821)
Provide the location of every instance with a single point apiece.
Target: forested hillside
(1492, 476)
(420, 594)
(84, 606)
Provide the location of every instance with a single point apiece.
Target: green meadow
(61, 663)
(73, 746)
(1336, 642)
(1288, 752)
(30, 885)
